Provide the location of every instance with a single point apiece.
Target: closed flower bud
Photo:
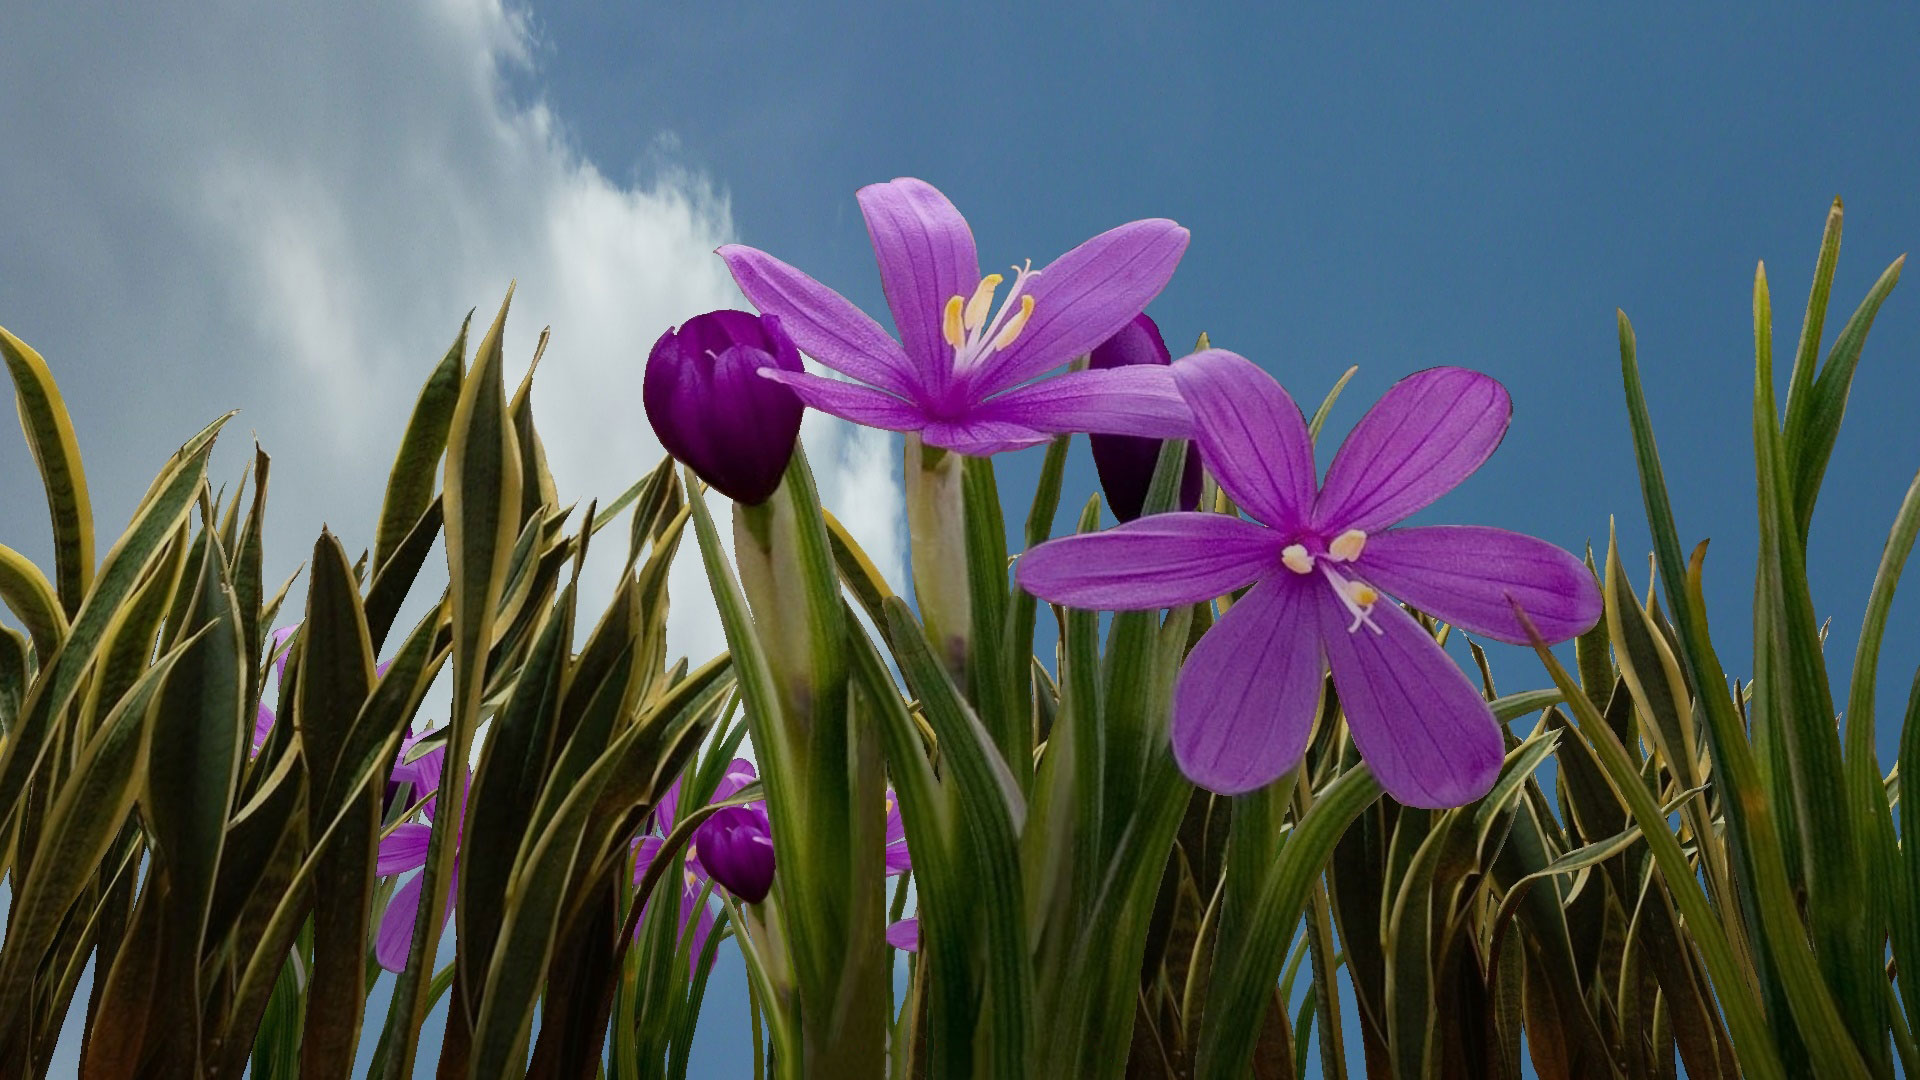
(1126, 462)
(711, 408)
(736, 848)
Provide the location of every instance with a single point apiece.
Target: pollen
(1363, 594)
(1014, 325)
(982, 301)
(1347, 546)
(950, 327)
(1296, 559)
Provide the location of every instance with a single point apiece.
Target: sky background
(289, 212)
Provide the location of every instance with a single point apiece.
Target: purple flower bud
(735, 847)
(1126, 462)
(712, 410)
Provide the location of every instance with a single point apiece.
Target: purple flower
(737, 848)
(404, 849)
(899, 859)
(1126, 462)
(712, 411)
(905, 935)
(1319, 560)
(956, 373)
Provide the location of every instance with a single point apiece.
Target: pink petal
(926, 257)
(1470, 576)
(1158, 561)
(821, 321)
(1245, 703)
(404, 849)
(1427, 433)
(1083, 297)
(1115, 401)
(396, 924)
(1251, 436)
(263, 721)
(905, 935)
(1420, 725)
(850, 401)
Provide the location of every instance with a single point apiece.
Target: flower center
(1357, 596)
(972, 334)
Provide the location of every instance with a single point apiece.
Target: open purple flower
(747, 860)
(404, 849)
(1319, 560)
(1126, 462)
(956, 373)
(711, 409)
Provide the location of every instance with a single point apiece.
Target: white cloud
(289, 211)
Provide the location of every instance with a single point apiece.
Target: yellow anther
(1015, 324)
(982, 301)
(692, 882)
(889, 804)
(950, 325)
(1296, 559)
(1347, 546)
(1363, 594)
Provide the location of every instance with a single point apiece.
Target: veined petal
(905, 935)
(1159, 561)
(263, 721)
(395, 939)
(980, 437)
(926, 256)
(644, 852)
(740, 772)
(1246, 699)
(1117, 401)
(1083, 297)
(1427, 433)
(1471, 576)
(1421, 726)
(822, 322)
(404, 849)
(1251, 435)
(850, 401)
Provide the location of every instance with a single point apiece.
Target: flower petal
(740, 772)
(1471, 576)
(1251, 435)
(926, 256)
(981, 438)
(644, 852)
(404, 849)
(821, 321)
(1421, 726)
(1083, 297)
(1427, 433)
(1118, 401)
(851, 401)
(396, 925)
(1155, 562)
(905, 935)
(1247, 697)
(263, 721)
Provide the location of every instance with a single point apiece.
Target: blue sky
(295, 210)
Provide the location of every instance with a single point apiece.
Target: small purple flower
(899, 859)
(1319, 559)
(1126, 462)
(713, 412)
(737, 848)
(956, 373)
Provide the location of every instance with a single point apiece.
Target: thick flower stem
(936, 528)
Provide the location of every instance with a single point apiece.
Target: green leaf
(481, 499)
(31, 596)
(395, 577)
(193, 767)
(43, 416)
(1242, 982)
(81, 827)
(410, 484)
(160, 515)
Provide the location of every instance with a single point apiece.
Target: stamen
(1015, 324)
(982, 301)
(1359, 598)
(1296, 559)
(1347, 546)
(950, 325)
